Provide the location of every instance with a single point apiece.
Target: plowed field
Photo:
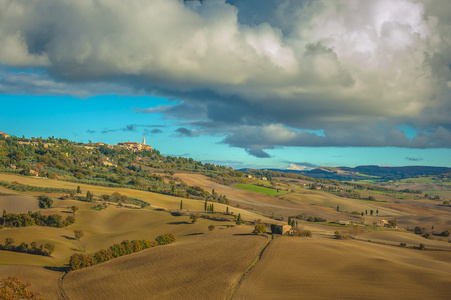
(303, 268)
(203, 268)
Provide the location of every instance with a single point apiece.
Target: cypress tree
(181, 204)
(78, 190)
(239, 221)
(227, 210)
(205, 205)
(289, 220)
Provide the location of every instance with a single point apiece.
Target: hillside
(376, 173)
(143, 195)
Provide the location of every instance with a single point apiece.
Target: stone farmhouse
(5, 135)
(284, 229)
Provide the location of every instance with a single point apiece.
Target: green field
(259, 189)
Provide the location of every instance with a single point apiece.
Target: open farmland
(205, 264)
(302, 268)
(202, 268)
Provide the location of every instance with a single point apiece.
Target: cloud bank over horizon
(259, 74)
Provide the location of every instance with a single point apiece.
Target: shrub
(45, 201)
(304, 232)
(211, 227)
(259, 229)
(422, 246)
(78, 234)
(427, 236)
(339, 236)
(402, 244)
(419, 230)
(165, 239)
(193, 218)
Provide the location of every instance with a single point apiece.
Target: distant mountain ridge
(371, 171)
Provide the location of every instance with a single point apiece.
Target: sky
(283, 84)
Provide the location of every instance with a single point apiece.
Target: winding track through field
(234, 287)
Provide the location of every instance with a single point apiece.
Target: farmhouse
(284, 229)
(382, 223)
(344, 222)
(5, 135)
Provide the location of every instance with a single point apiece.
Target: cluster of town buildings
(133, 146)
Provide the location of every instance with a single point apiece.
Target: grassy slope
(202, 268)
(295, 268)
(258, 189)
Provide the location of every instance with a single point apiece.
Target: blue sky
(272, 84)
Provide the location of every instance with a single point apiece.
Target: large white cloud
(332, 65)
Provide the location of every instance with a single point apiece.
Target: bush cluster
(45, 201)
(303, 232)
(23, 187)
(30, 219)
(34, 248)
(316, 219)
(79, 261)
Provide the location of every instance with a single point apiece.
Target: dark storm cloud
(183, 132)
(156, 131)
(280, 71)
(258, 153)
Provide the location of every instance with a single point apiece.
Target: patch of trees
(45, 201)
(119, 198)
(29, 219)
(315, 219)
(302, 232)
(34, 248)
(197, 191)
(79, 261)
(259, 229)
(13, 288)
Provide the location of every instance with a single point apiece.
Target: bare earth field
(16, 203)
(304, 268)
(203, 268)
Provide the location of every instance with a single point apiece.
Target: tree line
(29, 219)
(79, 261)
(34, 248)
